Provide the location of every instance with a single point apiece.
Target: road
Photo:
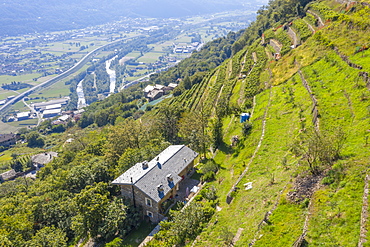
(147, 76)
(33, 111)
(70, 71)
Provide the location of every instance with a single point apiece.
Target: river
(81, 96)
(112, 75)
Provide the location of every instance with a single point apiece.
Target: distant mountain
(20, 17)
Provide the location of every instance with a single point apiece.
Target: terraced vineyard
(323, 84)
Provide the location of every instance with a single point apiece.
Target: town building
(23, 116)
(51, 113)
(43, 105)
(151, 185)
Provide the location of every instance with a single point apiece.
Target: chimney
(144, 165)
(169, 178)
(160, 188)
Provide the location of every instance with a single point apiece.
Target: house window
(148, 202)
(150, 214)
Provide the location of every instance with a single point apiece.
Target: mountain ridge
(40, 16)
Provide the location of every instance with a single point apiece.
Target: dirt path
(364, 213)
(349, 102)
(242, 88)
(237, 236)
(233, 188)
(320, 22)
(229, 69)
(243, 64)
(228, 126)
(218, 98)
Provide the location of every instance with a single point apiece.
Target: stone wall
(140, 201)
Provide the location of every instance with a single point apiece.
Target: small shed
(40, 160)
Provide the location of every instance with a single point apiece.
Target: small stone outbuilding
(40, 160)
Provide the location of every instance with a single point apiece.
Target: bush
(117, 242)
(247, 128)
(209, 176)
(305, 202)
(209, 170)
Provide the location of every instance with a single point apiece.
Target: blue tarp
(244, 117)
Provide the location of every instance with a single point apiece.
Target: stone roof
(148, 88)
(43, 158)
(153, 94)
(172, 85)
(8, 175)
(6, 137)
(23, 114)
(172, 161)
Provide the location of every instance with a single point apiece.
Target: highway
(70, 71)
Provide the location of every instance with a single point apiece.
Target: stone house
(150, 184)
(7, 140)
(8, 175)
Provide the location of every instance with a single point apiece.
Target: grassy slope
(343, 99)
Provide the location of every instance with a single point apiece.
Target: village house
(8, 175)
(7, 140)
(150, 185)
(157, 91)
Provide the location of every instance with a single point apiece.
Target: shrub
(247, 128)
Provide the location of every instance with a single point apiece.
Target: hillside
(310, 101)
(295, 174)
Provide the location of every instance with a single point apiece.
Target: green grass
(20, 78)
(134, 54)
(6, 129)
(6, 93)
(56, 90)
(19, 106)
(134, 238)
(183, 39)
(150, 57)
(24, 123)
(342, 101)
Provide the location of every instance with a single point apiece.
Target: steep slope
(322, 86)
